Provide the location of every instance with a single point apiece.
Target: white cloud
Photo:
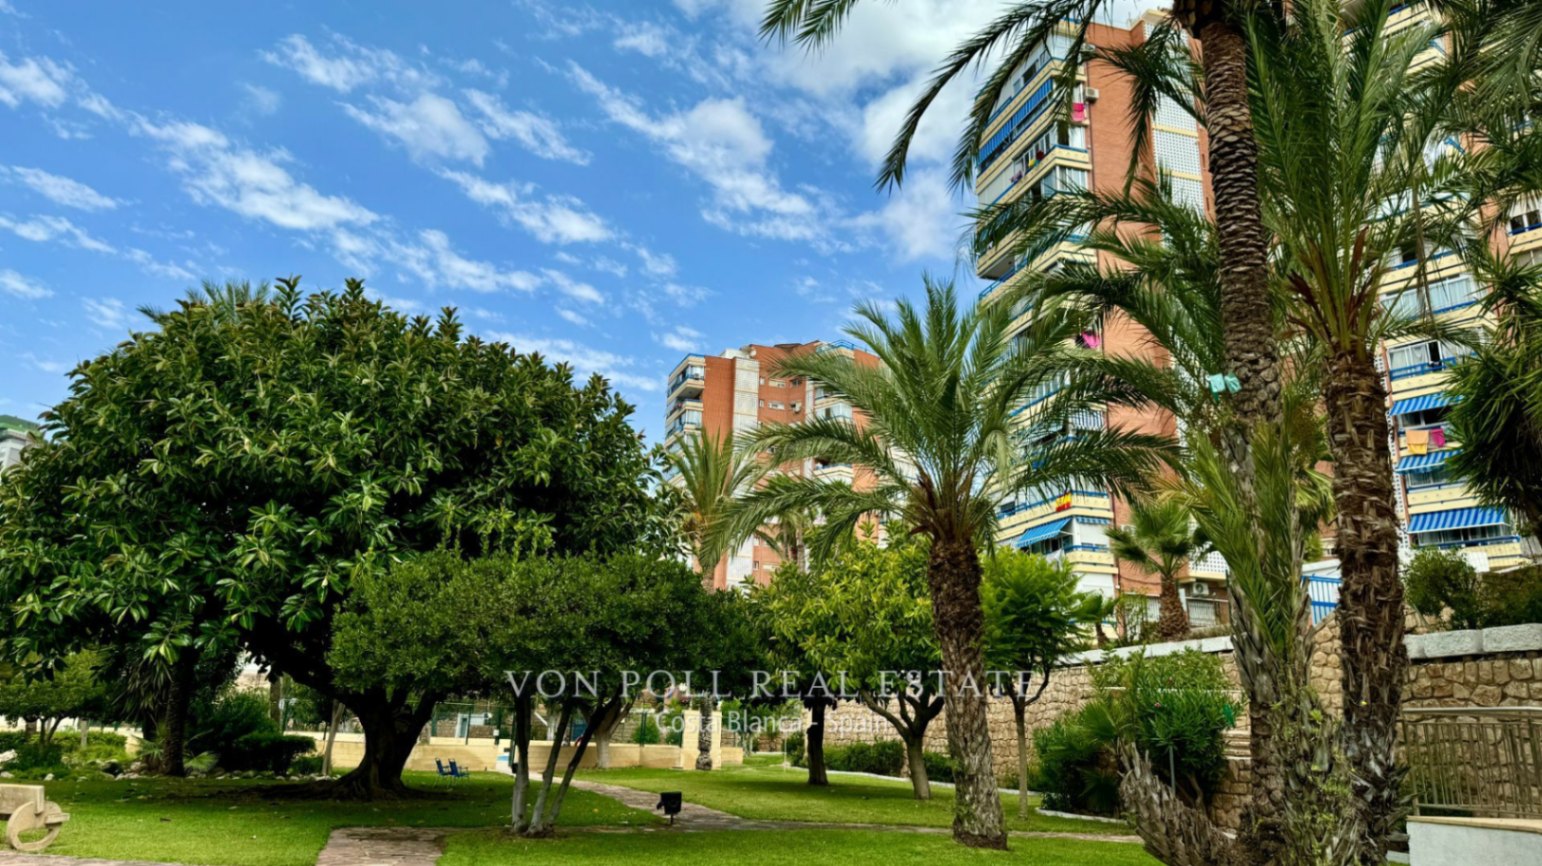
(47, 366)
(572, 317)
(109, 313)
(578, 291)
(261, 101)
(32, 79)
(552, 219)
(436, 262)
(723, 144)
(16, 285)
(685, 295)
(60, 190)
(216, 171)
(537, 133)
(429, 126)
(619, 369)
(680, 339)
(45, 229)
(348, 65)
(657, 264)
(922, 219)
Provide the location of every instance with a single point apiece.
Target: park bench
(26, 809)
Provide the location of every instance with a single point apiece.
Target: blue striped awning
(1424, 462)
(1457, 518)
(1036, 534)
(1420, 403)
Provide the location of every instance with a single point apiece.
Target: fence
(1480, 762)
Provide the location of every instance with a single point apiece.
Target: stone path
(382, 846)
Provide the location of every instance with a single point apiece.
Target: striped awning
(1424, 462)
(1420, 403)
(1457, 518)
(1034, 535)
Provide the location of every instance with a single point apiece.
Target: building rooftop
(11, 422)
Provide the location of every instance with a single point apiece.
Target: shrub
(1076, 771)
(101, 746)
(792, 747)
(1512, 597)
(11, 740)
(1439, 579)
(647, 732)
(1176, 708)
(306, 765)
(238, 729)
(35, 761)
(883, 758)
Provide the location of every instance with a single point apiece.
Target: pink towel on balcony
(1438, 437)
(1078, 112)
(1091, 340)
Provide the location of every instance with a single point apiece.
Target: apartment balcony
(1437, 437)
(1208, 611)
(1013, 517)
(1095, 556)
(1525, 231)
(684, 423)
(1406, 15)
(841, 472)
(690, 378)
(683, 404)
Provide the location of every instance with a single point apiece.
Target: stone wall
(1481, 668)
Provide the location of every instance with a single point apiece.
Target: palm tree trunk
(954, 577)
(1173, 623)
(1370, 609)
(1252, 355)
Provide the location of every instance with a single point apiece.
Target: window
(1176, 152)
(1416, 359)
(779, 383)
(1432, 477)
(1189, 193)
(1525, 215)
(1445, 295)
(839, 411)
(1463, 537)
(777, 404)
(1170, 113)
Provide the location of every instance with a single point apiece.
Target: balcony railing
(1020, 507)
(1482, 762)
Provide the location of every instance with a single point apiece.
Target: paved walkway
(383, 846)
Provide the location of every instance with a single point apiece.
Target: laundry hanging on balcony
(1418, 441)
(1437, 437)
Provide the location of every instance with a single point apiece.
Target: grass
(787, 848)
(232, 823)
(763, 789)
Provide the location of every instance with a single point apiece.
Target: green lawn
(764, 789)
(229, 823)
(776, 848)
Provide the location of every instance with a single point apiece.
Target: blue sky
(610, 184)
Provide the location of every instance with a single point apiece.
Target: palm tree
(1161, 540)
(1217, 25)
(936, 427)
(710, 475)
(1346, 178)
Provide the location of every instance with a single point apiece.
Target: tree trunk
(332, 723)
(173, 726)
(390, 732)
(1020, 717)
(704, 735)
(915, 761)
(1370, 612)
(540, 822)
(1173, 623)
(814, 745)
(524, 707)
(954, 577)
(276, 697)
(604, 728)
(1252, 355)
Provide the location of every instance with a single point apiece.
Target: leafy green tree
(439, 624)
(865, 613)
(937, 430)
(1161, 541)
(1034, 617)
(778, 607)
(72, 691)
(220, 481)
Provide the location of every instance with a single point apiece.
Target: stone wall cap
(1472, 642)
(1098, 656)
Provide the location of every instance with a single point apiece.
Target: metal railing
(1483, 762)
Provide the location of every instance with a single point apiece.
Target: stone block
(1445, 644)
(1513, 638)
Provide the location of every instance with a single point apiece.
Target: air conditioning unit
(1092, 94)
(1200, 589)
(797, 407)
